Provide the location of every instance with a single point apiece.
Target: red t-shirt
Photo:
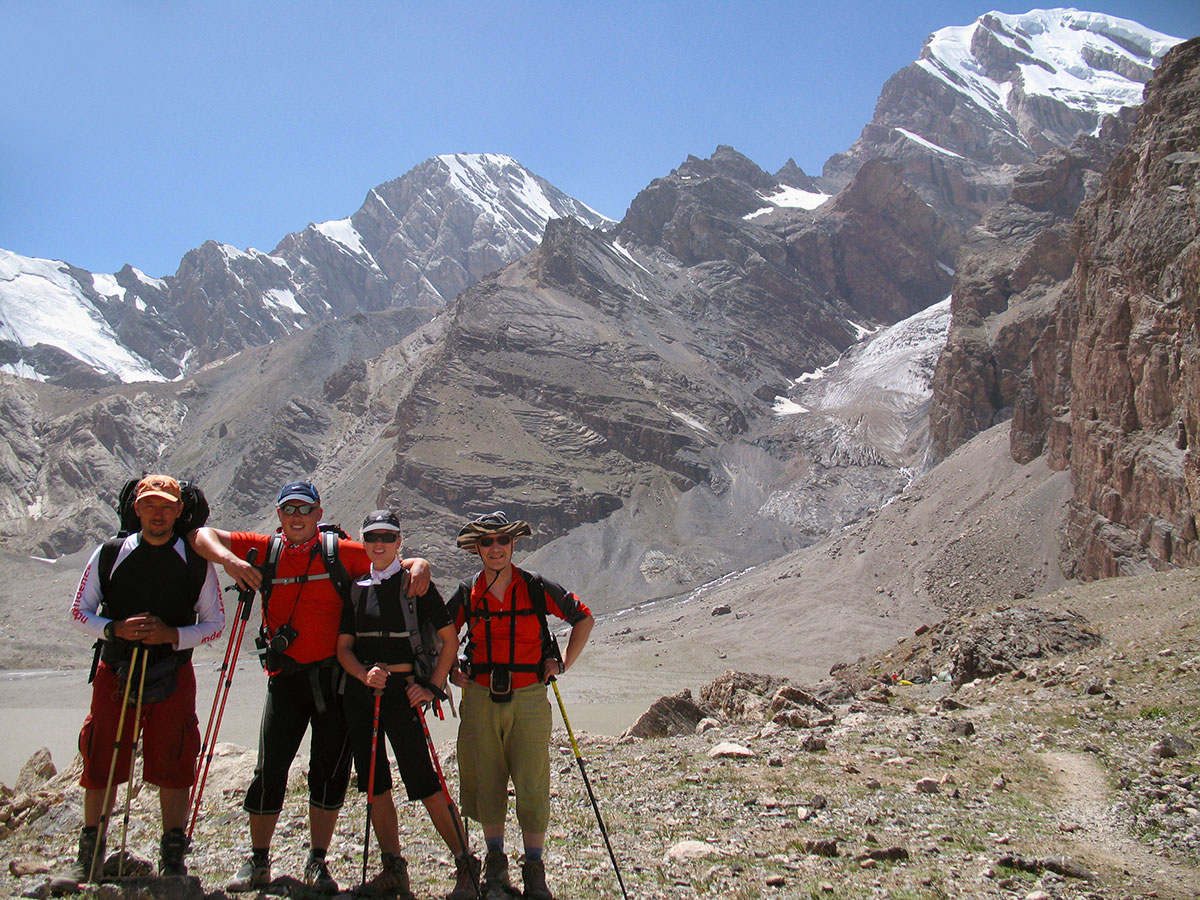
(313, 608)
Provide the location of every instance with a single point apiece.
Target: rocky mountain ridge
(619, 387)
(418, 240)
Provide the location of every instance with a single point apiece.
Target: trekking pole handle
(246, 595)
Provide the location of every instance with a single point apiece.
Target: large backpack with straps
(421, 635)
(194, 514)
(335, 570)
(274, 660)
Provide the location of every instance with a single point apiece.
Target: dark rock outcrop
(1011, 271)
(677, 714)
(1001, 642)
(1115, 374)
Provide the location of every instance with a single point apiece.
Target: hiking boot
(79, 871)
(392, 880)
(171, 852)
(254, 873)
(466, 877)
(496, 885)
(533, 879)
(316, 875)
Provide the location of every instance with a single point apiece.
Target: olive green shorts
(499, 741)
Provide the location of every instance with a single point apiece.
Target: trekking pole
(371, 784)
(137, 725)
(102, 831)
(203, 761)
(587, 784)
(459, 825)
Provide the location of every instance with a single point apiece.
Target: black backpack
(195, 508)
(422, 636)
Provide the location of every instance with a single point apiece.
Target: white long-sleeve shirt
(210, 611)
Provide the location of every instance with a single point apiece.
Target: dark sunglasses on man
(502, 539)
(297, 509)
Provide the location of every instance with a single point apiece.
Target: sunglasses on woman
(502, 539)
(380, 537)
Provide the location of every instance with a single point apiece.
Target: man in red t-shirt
(302, 609)
(505, 717)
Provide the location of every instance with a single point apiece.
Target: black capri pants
(398, 722)
(295, 701)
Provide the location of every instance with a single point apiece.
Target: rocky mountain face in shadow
(1084, 331)
(1011, 271)
(1128, 333)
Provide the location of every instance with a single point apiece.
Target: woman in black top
(375, 649)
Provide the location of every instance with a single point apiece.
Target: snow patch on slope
(42, 303)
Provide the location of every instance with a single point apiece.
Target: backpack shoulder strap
(412, 624)
(537, 593)
(536, 586)
(107, 560)
(464, 592)
(197, 568)
(333, 563)
(270, 564)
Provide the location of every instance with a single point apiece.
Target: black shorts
(294, 702)
(398, 722)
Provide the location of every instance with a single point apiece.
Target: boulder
(38, 769)
(675, 715)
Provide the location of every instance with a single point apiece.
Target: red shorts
(170, 734)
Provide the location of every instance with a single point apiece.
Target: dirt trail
(1099, 840)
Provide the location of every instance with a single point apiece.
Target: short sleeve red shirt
(313, 608)
(514, 638)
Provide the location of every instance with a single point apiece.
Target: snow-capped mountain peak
(418, 240)
(508, 192)
(1090, 62)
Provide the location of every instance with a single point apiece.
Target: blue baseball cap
(302, 491)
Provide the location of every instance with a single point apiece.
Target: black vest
(380, 632)
(153, 579)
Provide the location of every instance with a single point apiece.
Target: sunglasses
(380, 537)
(293, 509)
(502, 539)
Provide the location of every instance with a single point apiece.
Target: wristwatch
(110, 630)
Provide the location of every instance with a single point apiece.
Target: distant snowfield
(899, 362)
(40, 303)
(789, 197)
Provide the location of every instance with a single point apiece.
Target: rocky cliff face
(1011, 271)
(1134, 349)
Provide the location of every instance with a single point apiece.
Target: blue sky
(135, 131)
